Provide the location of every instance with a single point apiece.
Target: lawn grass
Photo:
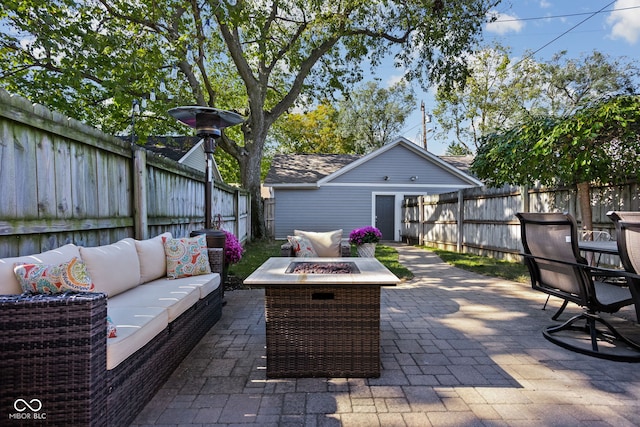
(484, 265)
(258, 251)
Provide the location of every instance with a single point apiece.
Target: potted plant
(365, 239)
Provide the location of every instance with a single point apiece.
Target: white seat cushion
(168, 294)
(205, 283)
(135, 327)
(9, 284)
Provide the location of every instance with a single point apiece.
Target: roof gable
(317, 169)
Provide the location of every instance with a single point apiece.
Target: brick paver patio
(458, 349)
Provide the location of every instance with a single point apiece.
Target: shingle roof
(305, 168)
(173, 147)
(310, 168)
(461, 162)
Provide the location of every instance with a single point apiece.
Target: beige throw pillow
(326, 244)
(153, 261)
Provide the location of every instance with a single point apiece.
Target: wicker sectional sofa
(56, 362)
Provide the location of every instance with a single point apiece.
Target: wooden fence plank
(76, 185)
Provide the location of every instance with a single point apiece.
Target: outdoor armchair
(628, 238)
(556, 267)
(311, 243)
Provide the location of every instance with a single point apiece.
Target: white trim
(397, 211)
(405, 187)
(193, 149)
(296, 186)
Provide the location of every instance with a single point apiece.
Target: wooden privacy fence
(62, 181)
(482, 220)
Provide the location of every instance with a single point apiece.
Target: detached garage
(324, 192)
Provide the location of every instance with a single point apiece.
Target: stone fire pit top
(273, 272)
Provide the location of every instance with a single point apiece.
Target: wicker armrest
(216, 260)
(286, 250)
(53, 348)
(345, 248)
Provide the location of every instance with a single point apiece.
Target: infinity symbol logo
(21, 405)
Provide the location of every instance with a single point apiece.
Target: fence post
(140, 214)
(236, 212)
(460, 220)
(524, 192)
(420, 220)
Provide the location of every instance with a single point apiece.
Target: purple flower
(233, 250)
(366, 234)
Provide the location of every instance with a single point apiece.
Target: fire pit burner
(308, 267)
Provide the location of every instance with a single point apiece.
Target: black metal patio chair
(550, 243)
(628, 238)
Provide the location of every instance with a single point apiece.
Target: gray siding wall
(324, 209)
(400, 164)
(328, 208)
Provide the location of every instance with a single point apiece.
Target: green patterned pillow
(186, 257)
(53, 279)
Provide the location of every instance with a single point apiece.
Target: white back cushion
(9, 284)
(326, 244)
(153, 261)
(113, 268)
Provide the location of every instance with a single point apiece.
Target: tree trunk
(249, 159)
(584, 200)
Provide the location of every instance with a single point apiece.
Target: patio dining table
(609, 247)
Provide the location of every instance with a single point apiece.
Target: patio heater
(208, 123)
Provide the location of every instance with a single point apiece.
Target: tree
(90, 59)
(499, 93)
(495, 95)
(598, 143)
(314, 131)
(370, 116)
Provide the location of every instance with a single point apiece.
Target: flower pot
(366, 250)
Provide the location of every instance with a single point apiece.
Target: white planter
(366, 250)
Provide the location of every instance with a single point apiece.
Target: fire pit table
(322, 315)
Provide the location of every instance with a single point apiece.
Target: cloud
(395, 78)
(545, 4)
(625, 24)
(504, 24)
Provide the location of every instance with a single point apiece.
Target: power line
(565, 16)
(563, 34)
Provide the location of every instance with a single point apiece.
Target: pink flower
(362, 235)
(233, 250)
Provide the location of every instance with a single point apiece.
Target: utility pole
(425, 119)
(424, 126)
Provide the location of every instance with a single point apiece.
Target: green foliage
(367, 118)
(599, 143)
(91, 60)
(315, 131)
(499, 94)
(371, 116)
